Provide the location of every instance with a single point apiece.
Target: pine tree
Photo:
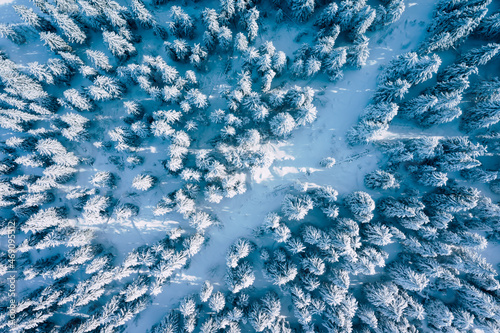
(311, 67)
(225, 38)
(479, 303)
(105, 88)
(453, 24)
(238, 250)
(99, 59)
(33, 19)
(334, 61)
(452, 199)
(195, 98)
(118, 45)
(249, 21)
(181, 25)
(282, 124)
(76, 99)
(193, 244)
(479, 175)
(44, 219)
(228, 9)
(169, 324)
(358, 53)
(201, 221)
(126, 211)
(13, 33)
(380, 179)
(481, 56)
(313, 264)
(362, 21)
(361, 206)
(400, 208)
(296, 207)
(95, 210)
(407, 278)
(391, 91)
(389, 14)
(240, 42)
(70, 28)
(302, 9)
(481, 115)
(418, 106)
(142, 14)
(489, 27)
(19, 84)
(240, 277)
(59, 70)
(40, 73)
(198, 56)
(327, 16)
(259, 318)
(306, 115)
(280, 269)
(217, 301)
(428, 175)
(463, 320)
(143, 182)
(378, 234)
(206, 291)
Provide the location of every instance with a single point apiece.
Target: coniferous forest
(232, 166)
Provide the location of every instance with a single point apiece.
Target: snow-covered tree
(302, 9)
(182, 25)
(142, 14)
(99, 59)
(361, 206)
(118, 45)
(70, 28)
(391, 91)
(225, 38)
(105, 88)
(296, 207)
(282, 124)
(238, 250)
(378, 234)
(240, 42)
(490, 26)
(78, 100)
(407, 278)
(390, 13)
(201, 221)
(249, 21)
(453, 199)
(240, 277)
(206, 291)
(481, 56)
(280, 269)
(380, 179)
(143, 182)
(481, 115)
(217, 301)
(358, 53)
(197, 99)
(29, 16)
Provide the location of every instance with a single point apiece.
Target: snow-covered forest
(177, 166)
